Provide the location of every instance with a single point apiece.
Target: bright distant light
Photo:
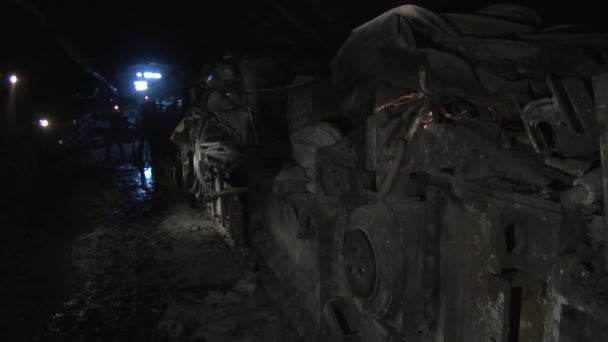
(146, 97)
(116, 107)
(140, 85)
(155, 75)
(43, 123)
(148, 173)
(139, 74)
(13, 79)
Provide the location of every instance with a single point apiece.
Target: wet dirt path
(153, 269)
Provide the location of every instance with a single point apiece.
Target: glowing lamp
(154, 75)
(140, 85)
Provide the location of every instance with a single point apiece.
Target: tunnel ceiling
(114, 34)
(125, 32)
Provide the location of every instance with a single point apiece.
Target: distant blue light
(139, 74)
(154, 75)
(148, 174)
(140, 85)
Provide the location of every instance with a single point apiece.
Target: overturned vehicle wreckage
(446, 184)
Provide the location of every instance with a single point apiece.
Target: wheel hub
(360, 264)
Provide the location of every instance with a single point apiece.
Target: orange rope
(400, 101)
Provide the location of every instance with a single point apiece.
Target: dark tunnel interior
(307, 171)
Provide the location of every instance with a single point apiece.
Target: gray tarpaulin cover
(497, 53)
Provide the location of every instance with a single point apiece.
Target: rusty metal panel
(533, 311)
(600, 86)
(496, 253)
(458, 284)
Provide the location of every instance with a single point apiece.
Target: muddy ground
(111, 257)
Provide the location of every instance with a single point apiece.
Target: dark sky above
(113, 34)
